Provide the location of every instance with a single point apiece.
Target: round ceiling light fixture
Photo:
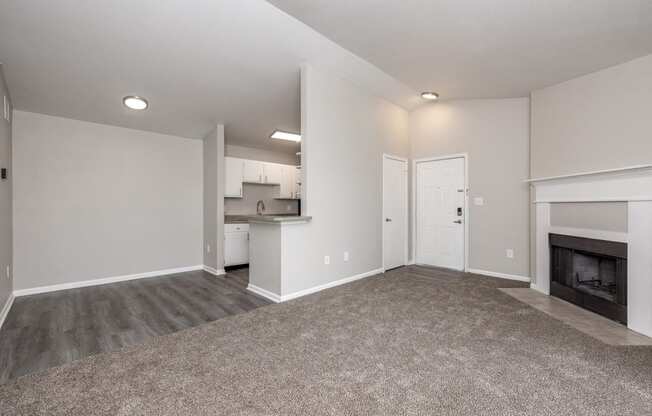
(135, 102)
(430, 96)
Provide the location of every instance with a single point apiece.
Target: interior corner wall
(213, 210)
(95, 201)
(6, 198)
(495, 135)
(593, 122)
(244, 152)
(345, 131)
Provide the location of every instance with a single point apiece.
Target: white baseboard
(331, 284)
(501, 275)
(213, 271)
(276, 298)
(264, 293)
(5, 309)
(103, 281)
(410, 262)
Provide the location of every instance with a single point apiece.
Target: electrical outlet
(327, 259)
(208, 248)
(346, 256)
(478, 201)
(509, 253)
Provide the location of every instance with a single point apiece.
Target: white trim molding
(501, 275)
(632, 185)
(103, 281)
(284, 298)
(339, 282)
(5, 309)
(264, 293)
(590, 173)
(213, 271)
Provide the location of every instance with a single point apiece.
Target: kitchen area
(255, 190)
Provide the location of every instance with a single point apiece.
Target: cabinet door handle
(265, 178)
(260, 178)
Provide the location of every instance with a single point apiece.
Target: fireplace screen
(590, 273)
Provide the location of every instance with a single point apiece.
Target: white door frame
(406, 210)
(467, 215)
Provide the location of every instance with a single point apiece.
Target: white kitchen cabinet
(233, 175)
(272, 173)
(253, 171)
(288, 182)
(239, 171)
(297, 182)
(236, 244)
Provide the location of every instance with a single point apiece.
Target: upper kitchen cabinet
(288, 182)
(262, 172)
(234, 171)
(239, 171)
(253, 171)
(272, 173)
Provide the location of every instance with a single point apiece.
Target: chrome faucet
(260, 207)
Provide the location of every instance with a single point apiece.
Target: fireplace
(590, 273)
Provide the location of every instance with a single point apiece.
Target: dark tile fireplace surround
(590, 273)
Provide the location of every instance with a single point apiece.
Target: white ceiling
(198, 63)
(483, 48)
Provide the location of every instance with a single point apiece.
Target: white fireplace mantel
(631, 185)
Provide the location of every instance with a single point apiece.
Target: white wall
(213, 155)
(597, 121)
(593, 122)
(345, 132)
(6, 198)
(95, 201)
(495, 134)
(607, 216)
(243, 152)
(251, 194)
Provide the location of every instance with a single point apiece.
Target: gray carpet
(414, 342)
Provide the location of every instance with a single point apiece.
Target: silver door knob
(388, 220)
(457, 221)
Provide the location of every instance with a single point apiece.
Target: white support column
(542, 282)
(639, 267)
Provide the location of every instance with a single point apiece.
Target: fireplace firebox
(590, 273)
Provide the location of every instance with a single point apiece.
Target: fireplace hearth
(590, 273)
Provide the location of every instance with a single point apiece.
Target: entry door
(440, 213)
(395, 212)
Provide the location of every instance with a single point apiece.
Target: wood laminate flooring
(47, 330)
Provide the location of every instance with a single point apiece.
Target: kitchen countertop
(244, 219)
(279, 219)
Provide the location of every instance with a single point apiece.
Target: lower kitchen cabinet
(236, 244)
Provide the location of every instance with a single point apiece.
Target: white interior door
(395, 212)
(441, 213)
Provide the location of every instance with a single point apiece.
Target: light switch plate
(509, 253)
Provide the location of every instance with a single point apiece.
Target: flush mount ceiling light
(283, 135)
(431, 96)
(135, 102)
